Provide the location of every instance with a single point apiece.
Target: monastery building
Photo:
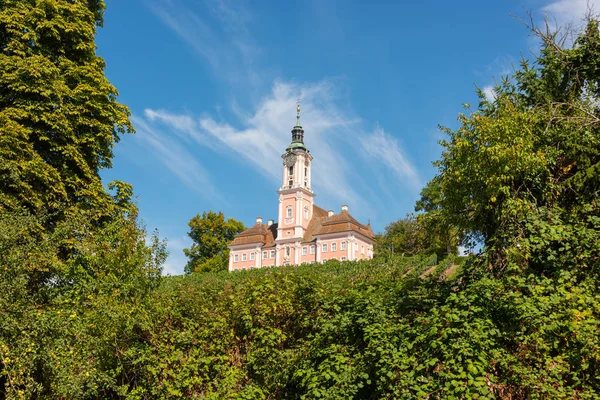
(304, 232)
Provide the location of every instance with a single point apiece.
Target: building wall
(308, 258)
(287, 224)
(357, 248)
(248, 263)
(270, 260)
(339, 253)
(363, 250)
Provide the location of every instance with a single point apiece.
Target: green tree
(416, 234)
(403, 236)
(211, 234)
(59, 117)
(71, 305)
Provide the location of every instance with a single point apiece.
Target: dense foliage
(84, 313)
(414, 235)
(211, 234)
(59, 118)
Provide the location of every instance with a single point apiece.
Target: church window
(305, 172)
(272, 254)
(265, 255)
(291, 171)
(306, 213)
(304, 251)
(333, 246)
(235, 258)
(244, 257)
(289, 212)
(343, 245)
(324, 248)
(312, 249)
(252, 256)
(291, 183)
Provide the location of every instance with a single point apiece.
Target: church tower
(295, 197)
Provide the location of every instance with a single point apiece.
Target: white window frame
(288, 211)
(334, 246)
(324, 248)
(235, 258)
(362, 249)
(306, 213)
(252, 256)
(343, 246)
(272, 254)
(244, 257)
(304, 250)
(313, 249)
(265, 255)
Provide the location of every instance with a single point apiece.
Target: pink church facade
(304, 233)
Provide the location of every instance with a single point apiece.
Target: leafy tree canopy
(59, 117)
(211, 234)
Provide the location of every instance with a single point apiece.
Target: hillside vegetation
(85, 313)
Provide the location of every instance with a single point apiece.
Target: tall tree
(59, 117)
(414, 235)
(210, 233)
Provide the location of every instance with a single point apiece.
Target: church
(304, 233)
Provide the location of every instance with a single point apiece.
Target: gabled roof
(342, 222)
(320, 224)
(259, 234)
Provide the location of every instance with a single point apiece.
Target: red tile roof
(320, 224)
(259, 233)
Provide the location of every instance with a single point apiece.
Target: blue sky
(212, 87)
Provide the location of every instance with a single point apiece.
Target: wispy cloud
(565, 12)
(387, 150)
(335, 137)
(174, 156)
(489, 93)
(218, 32)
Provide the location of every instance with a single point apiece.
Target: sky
(212, 87)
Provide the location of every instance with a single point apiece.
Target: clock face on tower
(289, 160)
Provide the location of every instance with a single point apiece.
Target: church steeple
(297, 133)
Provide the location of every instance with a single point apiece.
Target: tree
(414, 235)
(59, 118)
(442, 238)
(211, 234)
(533, 154)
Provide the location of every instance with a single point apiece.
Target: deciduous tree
(59, 117)
(210, 233)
